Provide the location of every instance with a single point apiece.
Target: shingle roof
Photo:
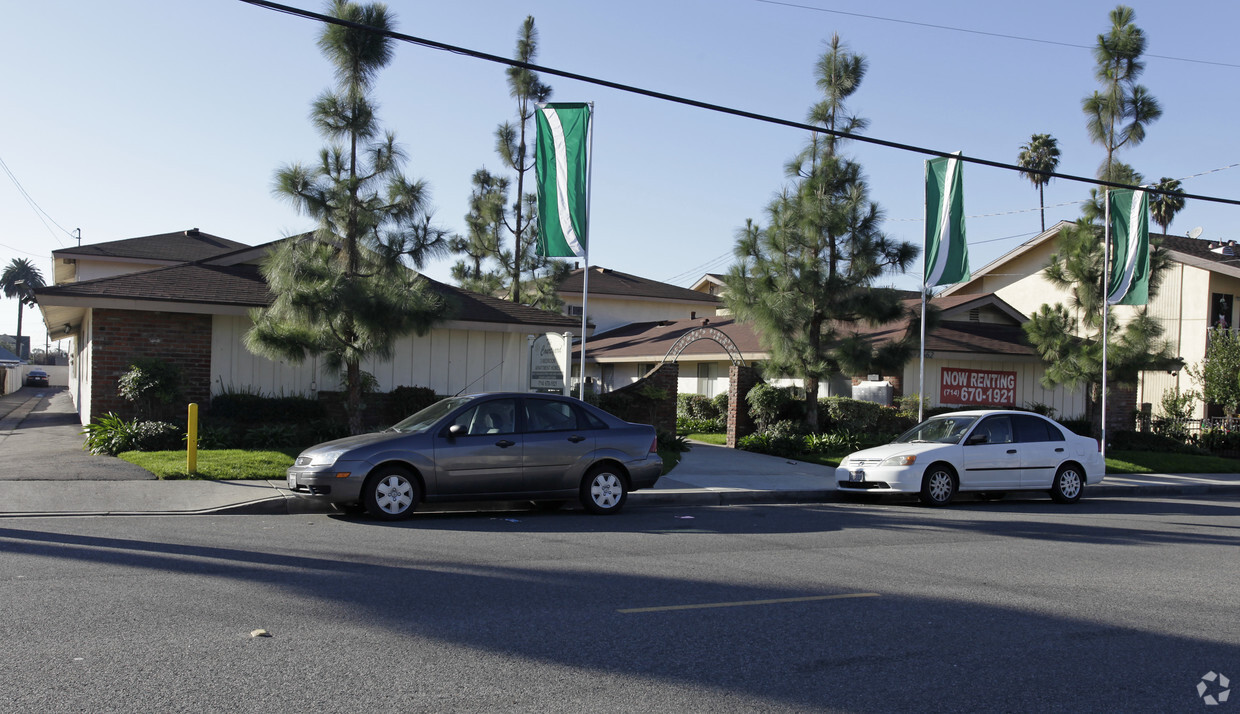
(605, 281)
(186, 245)
(653, 339)
(243, 286)
(1202, 249)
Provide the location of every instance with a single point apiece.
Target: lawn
(224, 464)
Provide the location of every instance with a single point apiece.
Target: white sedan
(985, 451)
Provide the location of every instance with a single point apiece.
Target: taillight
(1099, 445)
(654, 445)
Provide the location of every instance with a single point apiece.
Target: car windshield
(428, 416)
(947, 429)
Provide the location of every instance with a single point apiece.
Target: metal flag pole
(585, 278)
(1106, 305)
(921, 368)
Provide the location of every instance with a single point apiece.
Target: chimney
(192, 232)
(692, 315)
(705, 321)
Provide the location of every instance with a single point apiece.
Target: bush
(151, 384)
(721, 402)
(406, 401)
(1080, 426)
(768, 405)
(271, 436)
(833, 442)
(861, 416)
(110, 435)
(783, 438)
(672, 442)
(695, 406)
(1215, 440)
(1143, 441)
(685, 425)
(256, 408)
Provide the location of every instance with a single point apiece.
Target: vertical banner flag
(1130, 255)
(561, 166)
(947, 256)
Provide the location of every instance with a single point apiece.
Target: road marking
(778, 601)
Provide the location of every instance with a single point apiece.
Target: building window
(707, 373)
(1221, 311)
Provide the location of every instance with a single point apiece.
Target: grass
(214, 465)
(716, 439)
(1158, 462)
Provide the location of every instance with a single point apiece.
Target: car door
(484, 455)
(991, 457)
(1042, 450)
(558, 435)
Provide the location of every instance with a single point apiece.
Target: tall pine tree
(805, 280)
(344, 291)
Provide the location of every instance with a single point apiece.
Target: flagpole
(1106, 287)
(925, 245)
(585, 278)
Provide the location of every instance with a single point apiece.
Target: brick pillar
(1121, 406)
(741, 379)
(666, 378)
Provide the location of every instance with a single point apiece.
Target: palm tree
(19, 275)
(1163, 207)
(1040, 154)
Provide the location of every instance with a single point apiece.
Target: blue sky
(138, 117)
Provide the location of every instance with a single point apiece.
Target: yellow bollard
(191, 441)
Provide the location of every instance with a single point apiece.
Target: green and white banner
(561, 162)
(1130, 255)
(946, 259)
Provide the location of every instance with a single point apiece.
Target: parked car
(36, 378)
(988, 452)
(500, 446)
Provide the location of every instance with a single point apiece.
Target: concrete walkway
(47, 473)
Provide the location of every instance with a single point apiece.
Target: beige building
(1198, 291)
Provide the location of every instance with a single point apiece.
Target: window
(1031, 428)
(496, 416)
(549, 415)
(707, 372)
(996, 429)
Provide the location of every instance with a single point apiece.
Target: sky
(139, 117)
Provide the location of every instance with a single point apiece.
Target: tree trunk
(811, 404)
(353, 402)
(17, 343)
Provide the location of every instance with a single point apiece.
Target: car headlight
(325, 458)
(905, 460)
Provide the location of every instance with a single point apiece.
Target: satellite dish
(1195, 233)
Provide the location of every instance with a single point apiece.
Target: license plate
(292, 480)
(858, 475)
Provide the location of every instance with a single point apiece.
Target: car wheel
(1068, 485)
(938, 486)
(991, 495)
(391, 493)
(603, 491)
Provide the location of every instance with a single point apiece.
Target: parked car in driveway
(500, 446)
(987, 451)
(36, 378)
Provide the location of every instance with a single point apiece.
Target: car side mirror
(455, 430)
(976, 439)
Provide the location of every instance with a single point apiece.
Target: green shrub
(721, 403)
(405, 401)
(156, 436)
(151, 384)
(768, 405)
(1215, 440)
(685, 425)
(1144, 441)
(695, 406)
(834, 442)
(271, 436)
(217, 437)
(672, 442)
(257, 408)
(1080, 426)
(108, 434)
(783, 438)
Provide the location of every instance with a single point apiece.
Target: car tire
(939, 485)
(1068, 484)
(604, 491)
(391, 493)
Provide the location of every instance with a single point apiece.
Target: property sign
(977, 386)
(549, 354)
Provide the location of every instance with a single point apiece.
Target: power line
(966, 30)
(38, 211)
(713, 107)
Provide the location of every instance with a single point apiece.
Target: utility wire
(39, 212)
(1000, 35)
(714, 107)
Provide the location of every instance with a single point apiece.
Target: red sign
(977, 386)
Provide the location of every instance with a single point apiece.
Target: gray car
(500, 446)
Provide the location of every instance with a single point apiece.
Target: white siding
(1068, 404)
(445, 360)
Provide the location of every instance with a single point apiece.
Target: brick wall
(119, 336)
(631, 404)
(741, 379)
(1121, 408)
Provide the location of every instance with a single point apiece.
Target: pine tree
(343, 291)
(805, 280)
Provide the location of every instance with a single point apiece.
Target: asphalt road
(1016, 606)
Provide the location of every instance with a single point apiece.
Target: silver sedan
(501, 446)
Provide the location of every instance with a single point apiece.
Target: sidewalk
(39, 435)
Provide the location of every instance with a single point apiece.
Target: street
(1021, 605)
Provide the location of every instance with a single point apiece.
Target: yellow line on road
(779, 601)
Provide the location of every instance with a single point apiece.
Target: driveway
(41, 440)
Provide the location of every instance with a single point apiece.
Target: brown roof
(243, 285)
(1202, 249)
(654, 339)
(186, 245)
(605, 281)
